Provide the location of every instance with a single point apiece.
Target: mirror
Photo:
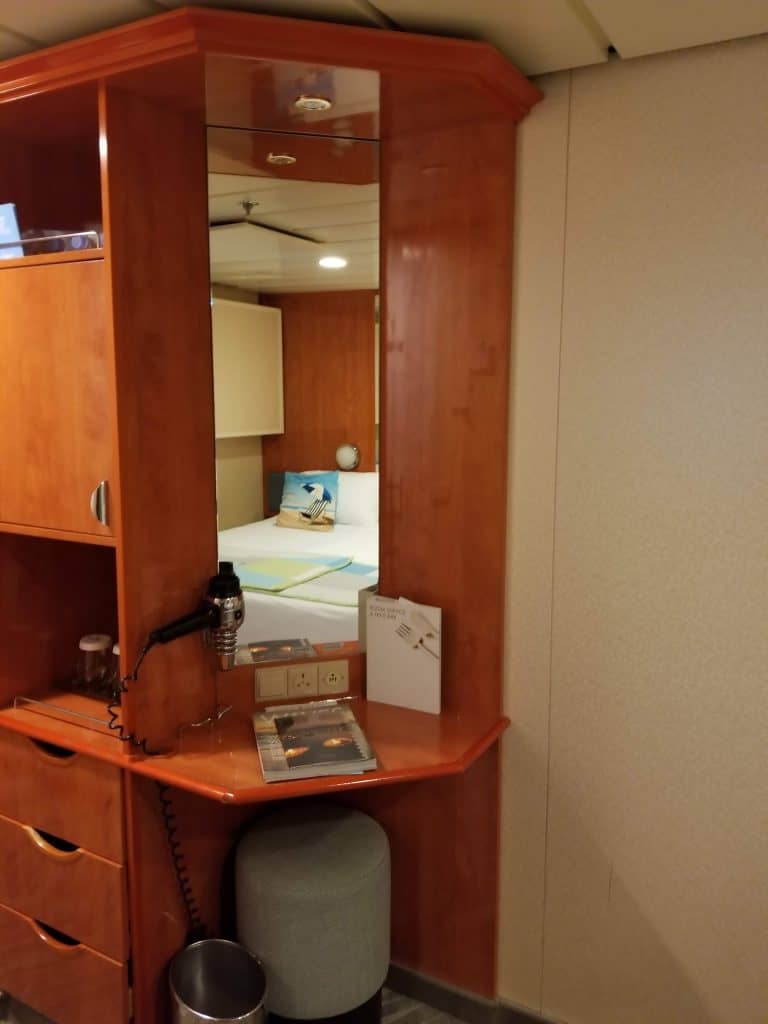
(294, 246)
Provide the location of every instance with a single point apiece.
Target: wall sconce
(347, 456)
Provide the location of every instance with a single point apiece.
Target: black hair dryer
(221, 615)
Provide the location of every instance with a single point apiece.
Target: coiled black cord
(114, 724)
(197, 929)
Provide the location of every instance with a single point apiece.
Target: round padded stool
(313, 896)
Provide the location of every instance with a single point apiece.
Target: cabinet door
(55, 395)
(247, 369)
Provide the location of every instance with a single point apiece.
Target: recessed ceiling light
(332, 262)
(312, 103)
(281, 159)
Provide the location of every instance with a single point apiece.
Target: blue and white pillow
(309, 500)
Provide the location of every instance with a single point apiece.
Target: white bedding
(283, 618)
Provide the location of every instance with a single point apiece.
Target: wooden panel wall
(328, 370)
(157, 252)
(447, 206)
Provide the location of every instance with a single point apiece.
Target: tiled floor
(397, 1010)
(401, 1010)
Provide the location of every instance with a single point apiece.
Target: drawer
(70, 795)
(72, 890)
(71, 984)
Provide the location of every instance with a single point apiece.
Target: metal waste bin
(217, 982)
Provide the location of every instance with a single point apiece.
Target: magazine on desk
(305, 741)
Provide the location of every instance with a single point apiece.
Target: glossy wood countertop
(222, 763)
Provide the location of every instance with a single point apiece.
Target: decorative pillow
(358, 499)
(309, 501)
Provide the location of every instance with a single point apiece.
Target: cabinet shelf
(21, 530)
(224, 765)
(53, 257)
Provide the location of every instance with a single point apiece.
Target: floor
(402, 1010)
(397, 1010)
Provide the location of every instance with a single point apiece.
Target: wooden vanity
(107, 407)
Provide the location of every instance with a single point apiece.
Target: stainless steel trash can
(217, 982)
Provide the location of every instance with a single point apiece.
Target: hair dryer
(221, 615)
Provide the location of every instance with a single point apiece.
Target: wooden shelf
(223, 764)
(20, 529)
(53, 257)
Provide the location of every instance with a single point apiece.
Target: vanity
(108, 494)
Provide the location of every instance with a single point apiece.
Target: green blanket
(277, 572)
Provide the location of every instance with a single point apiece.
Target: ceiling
(338, 212)
(537, 35)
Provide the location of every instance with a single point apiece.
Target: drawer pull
(51, 751)
(54, 938)
(99, 503)
(51, 845)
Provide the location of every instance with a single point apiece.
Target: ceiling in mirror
(280, 203)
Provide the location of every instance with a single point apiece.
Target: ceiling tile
(12, 45)
(352, 12)
(653, 26)
(57, 22)
(540, 36)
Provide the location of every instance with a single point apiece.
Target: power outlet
(333, 677)
(271, 682)
(302, 680)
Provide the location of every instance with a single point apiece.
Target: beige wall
(635, 819)
(239, 481)
(239, 466)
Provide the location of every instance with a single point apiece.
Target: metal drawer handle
(99, 503)
(44, 844)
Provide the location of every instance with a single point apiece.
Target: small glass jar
(93, 663)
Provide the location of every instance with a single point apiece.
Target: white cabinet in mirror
(295, 369)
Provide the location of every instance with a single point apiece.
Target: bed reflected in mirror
(294, 239)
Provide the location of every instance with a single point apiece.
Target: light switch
(271, 682)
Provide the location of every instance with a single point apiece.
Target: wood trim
(52, 258)
(190, 31)
(21, 530)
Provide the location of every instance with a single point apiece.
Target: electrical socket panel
(333, 676)
(271, 682)
(302, 680)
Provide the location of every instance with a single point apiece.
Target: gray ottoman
(313, 897)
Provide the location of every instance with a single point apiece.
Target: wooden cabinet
(63, 914)
(247, 369)
(109, 358)
(56, 395)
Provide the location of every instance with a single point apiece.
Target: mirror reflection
(294, 239)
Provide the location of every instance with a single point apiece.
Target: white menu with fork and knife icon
(403, 653)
